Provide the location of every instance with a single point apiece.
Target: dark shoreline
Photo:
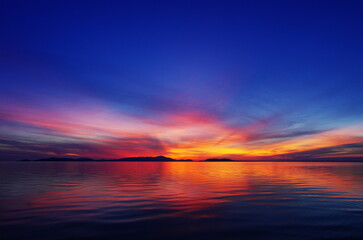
(166, 159)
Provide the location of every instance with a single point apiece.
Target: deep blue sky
(181, 78)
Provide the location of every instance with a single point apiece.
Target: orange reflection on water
(186, 187)
(240, 175)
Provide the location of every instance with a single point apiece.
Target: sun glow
(102, 133)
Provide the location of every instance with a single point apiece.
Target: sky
(245, 80)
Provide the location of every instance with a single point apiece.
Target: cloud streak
(101, 132)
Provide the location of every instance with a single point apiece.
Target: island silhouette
(167, 159)
(128, 159)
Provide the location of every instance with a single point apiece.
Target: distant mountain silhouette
(336, 159)
(218, 160)
(130, 159)
(167, 159)
(147, 159)
(54, 159)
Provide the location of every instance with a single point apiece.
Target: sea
(181, 200)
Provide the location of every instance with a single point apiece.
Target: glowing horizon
(98, 132)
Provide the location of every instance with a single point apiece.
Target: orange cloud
(103, 133)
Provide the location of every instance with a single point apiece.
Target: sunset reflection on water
(180, 199)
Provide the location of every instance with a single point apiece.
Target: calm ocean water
(182, 200)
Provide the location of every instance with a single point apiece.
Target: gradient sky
(184, 79)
